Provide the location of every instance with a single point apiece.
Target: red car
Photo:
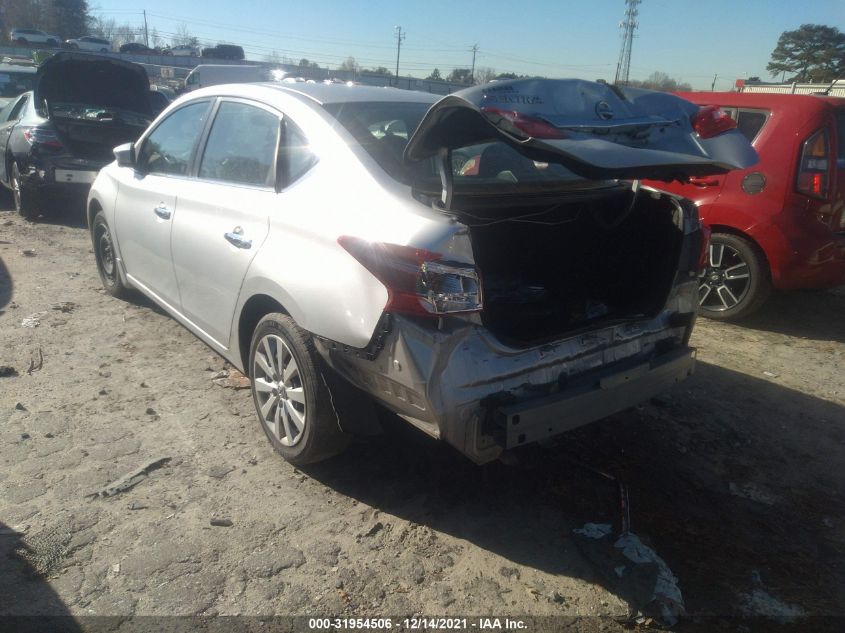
(781, 223)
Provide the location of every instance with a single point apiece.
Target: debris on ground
(639, 576)
(65, 306)
(130, 479)
(770, 374)
(222, 522)
(19, 406)
(7, 371)
(218, 472)
(29, 252)
(33, 320)
(33, 366)
(230, 379)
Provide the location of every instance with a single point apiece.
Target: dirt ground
(735, 479)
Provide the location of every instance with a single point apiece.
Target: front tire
(26, 200)
(104, 253)
(736, 280)
(291, 397)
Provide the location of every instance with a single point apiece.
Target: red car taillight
(813, 169)
(711, 121)
(418, 281)
(536, 128)
(704, 254)
(43, 136)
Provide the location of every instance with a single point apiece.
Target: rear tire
(736, 281)
(291, 397)
(26, 200)
(104, 253)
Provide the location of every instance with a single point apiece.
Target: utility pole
(472, 72)
(400, 37)
(713, 85)
(628, 26)
(146, 33)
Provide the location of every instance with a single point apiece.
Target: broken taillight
(711, 121)
(42, 136)
(812, 174)
(532, 126)
(418, 281)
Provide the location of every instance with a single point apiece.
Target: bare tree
(125, 34)
(484, 74)
(183, 37)
(101, 26)
(350, 65)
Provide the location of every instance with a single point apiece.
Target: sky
(692, 41)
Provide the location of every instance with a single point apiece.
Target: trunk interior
(552, 266)
(95, 140)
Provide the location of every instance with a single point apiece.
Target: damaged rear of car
(82, 106)
(568, 291)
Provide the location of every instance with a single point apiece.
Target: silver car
(486, 265)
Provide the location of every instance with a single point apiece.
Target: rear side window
(168, 149)
(840, 139)
(241, 147)
(750, 122)
(296, 154)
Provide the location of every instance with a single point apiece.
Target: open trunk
(552, 266)
(95, 102)
(95, 139)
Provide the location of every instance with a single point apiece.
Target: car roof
(317, 93)
(344, 93)
(767, 100)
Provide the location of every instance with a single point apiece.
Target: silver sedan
(486, 265)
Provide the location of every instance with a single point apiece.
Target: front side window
(242, 145)
(170, 146)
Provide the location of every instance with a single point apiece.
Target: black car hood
(609, 133)
(95, 81)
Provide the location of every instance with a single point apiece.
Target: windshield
(383, 130)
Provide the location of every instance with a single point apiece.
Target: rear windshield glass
(383, 130)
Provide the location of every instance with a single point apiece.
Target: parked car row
(89, 43)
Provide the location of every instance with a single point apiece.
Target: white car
(473, 263)
(25, 37)
(183, 51)
(89, 43)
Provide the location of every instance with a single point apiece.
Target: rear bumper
(815, 263)
(460, 384)
(539, 419)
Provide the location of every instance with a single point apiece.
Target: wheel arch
(254, 309)
(94, 207)
(732, 230)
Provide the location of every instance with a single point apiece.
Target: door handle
(163, 212)
(236, 238)
(703, 182)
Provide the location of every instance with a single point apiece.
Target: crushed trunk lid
(94, 81)
(595, 130)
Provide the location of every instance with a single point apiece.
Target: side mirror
(125, 155)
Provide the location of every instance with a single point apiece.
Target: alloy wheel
(726, 279)
(279, 390)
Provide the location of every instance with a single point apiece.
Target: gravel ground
(735, 479)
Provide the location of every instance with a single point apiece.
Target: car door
(9, 116)
(224, 213)
(147, 199)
